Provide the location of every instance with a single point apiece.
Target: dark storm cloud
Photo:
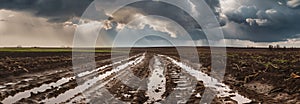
(61, 8)
(128, 13)
(178, 15)
(148, 7)
(56, 10)
(242, 13)
(263, 20)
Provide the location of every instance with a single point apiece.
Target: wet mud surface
(151, 76)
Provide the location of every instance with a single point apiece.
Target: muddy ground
(154, 75)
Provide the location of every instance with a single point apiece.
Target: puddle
(87, 84)
(28, 79)
(7, 84)
(42, 88)
(184, 87)
(157, 82)
(1, 87)
(221, 89)
(198, 95)
(95, 90)
(76, 99)
(103, 67)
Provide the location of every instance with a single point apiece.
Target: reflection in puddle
(76, 99)
(28, 79)
(183, 90)
(157, 82)
(198, 95)
(27, 93)
(103, 67)
(1, 87)
(220, 88)
(8, 84)
(17, 82)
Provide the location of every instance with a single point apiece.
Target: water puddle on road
(75, 100)
(9, 84)
(28, 79)
(103, 67)
(89, 83)
(221, 89)
(157, 82)
(1, 87)
(42, 88)
(15, 83)
(184, 87)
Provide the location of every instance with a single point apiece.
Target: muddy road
(142, 78)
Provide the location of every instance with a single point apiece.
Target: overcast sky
(243, 22)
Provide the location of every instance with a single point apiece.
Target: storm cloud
(261, 20)
(249, 20)
(65, 10)
(55, 10)
(184, 19)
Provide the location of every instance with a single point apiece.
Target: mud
(151, 76)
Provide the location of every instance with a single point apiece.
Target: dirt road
(143, 78)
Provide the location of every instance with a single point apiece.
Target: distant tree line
(271, 47)
(277, 46)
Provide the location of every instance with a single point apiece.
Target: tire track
(53, 85)
(156, 82)
(99, 92)
(180, 85)
(26, 82)
(87, 84)
(44, 87)
(105, 66)
(126, 88)
(221, 89)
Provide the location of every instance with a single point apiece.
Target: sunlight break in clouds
(21, 28)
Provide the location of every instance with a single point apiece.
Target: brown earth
(262, 75)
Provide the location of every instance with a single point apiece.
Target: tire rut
(50, 86)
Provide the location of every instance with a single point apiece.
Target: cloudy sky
(54, 22)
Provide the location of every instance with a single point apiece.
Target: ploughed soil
(263, 75)
(269, 76)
